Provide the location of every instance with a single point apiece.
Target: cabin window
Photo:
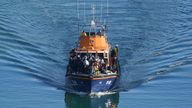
(87, 33)
(93, 54)
(100, 55)
(106, 55)
(92, 33)
(83, 54)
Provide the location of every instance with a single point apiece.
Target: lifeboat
(93, 65)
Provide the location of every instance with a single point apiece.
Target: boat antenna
(77, 6)
(84, 11)
(106, 20)
(78, 14)
(107, 8)
(93, 11)
(101, 12)
(93, 24)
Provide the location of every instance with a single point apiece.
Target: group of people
(91, 64)
(87, 64)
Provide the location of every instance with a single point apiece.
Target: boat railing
(92, 75)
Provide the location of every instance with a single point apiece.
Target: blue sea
(155, 46)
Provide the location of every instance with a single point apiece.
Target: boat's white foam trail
(98, 94)
(93, 94)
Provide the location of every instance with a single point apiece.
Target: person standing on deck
(114, 55)
(86, 64)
